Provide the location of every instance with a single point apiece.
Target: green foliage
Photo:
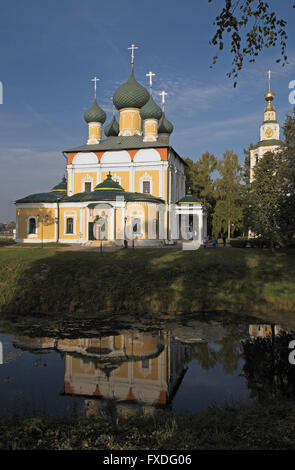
(252, 27)
(199, 179)
(229, 194)
(230, 427)
(271, 199)
(238, 243)
(51, 282)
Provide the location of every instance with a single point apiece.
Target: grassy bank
(271, 426)
(48, 281)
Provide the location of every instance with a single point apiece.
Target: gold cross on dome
(95, 79)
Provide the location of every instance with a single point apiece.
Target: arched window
(32, 225)
(136, 226)
(70, 225)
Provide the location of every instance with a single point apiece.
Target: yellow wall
(45, 226)
(64, 213)
(152, 173)
(124, 175)
(94, 132)
(150, 130)
(130, 122)
(79, 185)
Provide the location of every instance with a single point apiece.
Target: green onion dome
(112, 129)
(151, 110)
(95, 114)
(165, 126)
(108, 184)
(130, 95)
(62, 186)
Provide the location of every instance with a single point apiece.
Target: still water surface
(179, 367)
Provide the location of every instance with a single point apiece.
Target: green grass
(243, 427)
(48, 281)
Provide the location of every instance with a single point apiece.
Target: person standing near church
(214, 241)
(223, 237)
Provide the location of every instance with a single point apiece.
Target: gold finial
(269, 95)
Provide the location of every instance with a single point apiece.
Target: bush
(259, 243)
(238, 243)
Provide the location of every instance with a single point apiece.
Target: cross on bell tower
(269, 75)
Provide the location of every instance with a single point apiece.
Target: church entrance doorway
(100, 229)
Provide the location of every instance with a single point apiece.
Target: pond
(187, 365)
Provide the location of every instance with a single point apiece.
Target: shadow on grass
(152, 281)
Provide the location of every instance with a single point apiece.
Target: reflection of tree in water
(226, 351)
(267, 368)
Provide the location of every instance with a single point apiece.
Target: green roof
(62, 186)
(189, 199)
(131, 94)
(165, 126)
(43, 197)
(95, 114)
(118, 143)
(108, 190)
(112, 129)
(110, 195)
(268, 143)
(58, 192)
(151, 110)
(108, 184)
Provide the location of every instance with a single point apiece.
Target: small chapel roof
(189, 199)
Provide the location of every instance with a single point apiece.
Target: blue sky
(49, 51)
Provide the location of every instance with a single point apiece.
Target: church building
(128, 187)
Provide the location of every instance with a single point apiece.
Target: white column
(112, 224)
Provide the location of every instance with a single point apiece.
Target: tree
(228, 209)
(252, 27)
(11, 226)
(271, 208)
(271, 199)
(199, 179)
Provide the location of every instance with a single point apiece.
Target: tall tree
(251, 25)
(200, 181)
(271, 199)
(271, 210)
(228, 209)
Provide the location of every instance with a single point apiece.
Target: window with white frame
(32, 226)
(146, 187)
(70, 225)
(87, 187)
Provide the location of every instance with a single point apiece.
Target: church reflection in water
(141, 371)
(135, 369)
